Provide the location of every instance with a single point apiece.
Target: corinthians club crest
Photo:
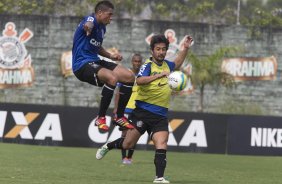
(15, 62)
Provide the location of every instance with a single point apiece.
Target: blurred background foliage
(255, 13)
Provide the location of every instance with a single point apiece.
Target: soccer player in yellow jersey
(136, 62)
(152, 104)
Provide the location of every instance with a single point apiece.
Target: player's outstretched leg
(101, 152)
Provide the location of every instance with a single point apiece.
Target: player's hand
(88, 26)
(116, 57)
(163, 74)
(188, 42)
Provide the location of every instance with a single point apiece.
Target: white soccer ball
(177, 80)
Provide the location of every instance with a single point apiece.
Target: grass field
(25, 164)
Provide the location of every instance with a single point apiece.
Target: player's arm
(115, 57)
(144, 76)
(182, 54)
(88, 27)
(147, 79)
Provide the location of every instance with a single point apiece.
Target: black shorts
(88, 72)
(144, 120)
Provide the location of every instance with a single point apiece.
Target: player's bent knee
(129, 78)
(132, 78)
(112, 80)
(162, 144)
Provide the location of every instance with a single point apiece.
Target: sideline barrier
(189, 132)
(254, 135)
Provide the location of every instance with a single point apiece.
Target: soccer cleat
(127, 161)
(123, 122)
(101, 123)
(124, 160)
(160, 180)
(101, 152)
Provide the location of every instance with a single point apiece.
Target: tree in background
(256, 15)
(47, 7)
(207, 72)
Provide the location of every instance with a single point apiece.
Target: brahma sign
(251, 68)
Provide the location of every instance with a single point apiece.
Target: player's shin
(160, 162)
(125, 93)
(107, 95)
(116, 144)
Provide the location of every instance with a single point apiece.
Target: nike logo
(159, 84)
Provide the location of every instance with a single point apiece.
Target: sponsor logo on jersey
(90, 19)
(95, 43)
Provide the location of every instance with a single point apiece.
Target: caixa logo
(50, 126)
(194, 134)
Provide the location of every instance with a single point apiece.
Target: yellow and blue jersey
(85, 48)
(155, 96)
(131, 103)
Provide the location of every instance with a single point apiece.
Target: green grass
(25, 164)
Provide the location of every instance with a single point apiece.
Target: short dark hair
(103, 6)
(159, 38)
(137, 55)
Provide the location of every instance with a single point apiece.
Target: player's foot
(160, 180)
(123, 122)
(127, 161)
(124, 160)
(101, 123)
(101, 152)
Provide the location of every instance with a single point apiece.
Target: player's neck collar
(157, 63)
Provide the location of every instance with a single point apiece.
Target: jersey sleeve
(171, 65)
(145, 70)
(89, 19)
